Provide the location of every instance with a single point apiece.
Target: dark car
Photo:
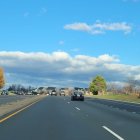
(53, 92)
(77, 96)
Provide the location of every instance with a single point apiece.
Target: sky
(69, 42)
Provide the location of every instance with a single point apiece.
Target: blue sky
(77, 27)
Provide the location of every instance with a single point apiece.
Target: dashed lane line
(77, 108)
(113, 133)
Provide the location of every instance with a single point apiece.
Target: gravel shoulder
(15, 105)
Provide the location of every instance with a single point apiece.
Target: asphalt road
(4, 99)
(57, 118)
(131, 107)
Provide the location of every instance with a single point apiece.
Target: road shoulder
(6, 109)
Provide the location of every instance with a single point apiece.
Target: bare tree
(112, 87)
(132, 86)
(128, 89)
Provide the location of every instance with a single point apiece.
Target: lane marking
(13, 114)
(113, 133)
(68, 102)
(77, 108)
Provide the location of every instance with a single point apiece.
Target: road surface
(131, 107)
(58, 118)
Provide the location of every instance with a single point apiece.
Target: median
(16, 105)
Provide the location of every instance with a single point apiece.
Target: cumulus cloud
(62, 69)
(99, 28)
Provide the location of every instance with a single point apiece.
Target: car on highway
(62, 93)
(53, 92)
(76, 95)
(4, 92)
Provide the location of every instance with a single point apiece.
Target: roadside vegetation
(119, 97)
(98, 85)
(129, 92)
(1, 78)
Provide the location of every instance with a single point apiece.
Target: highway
(130, 107)
(58, 118)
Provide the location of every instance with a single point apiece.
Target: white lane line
(68, 102)
(113, 133)
(77, 108)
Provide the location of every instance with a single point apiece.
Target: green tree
(98, 85)
(1, 78)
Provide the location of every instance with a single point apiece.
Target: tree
(130, 86)
(13, 87)
(1, 78)
(98, 85)
(112, 88)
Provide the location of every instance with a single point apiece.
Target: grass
(11, 93)
(120, 97)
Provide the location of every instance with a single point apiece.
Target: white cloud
(78, 26)
(62, 69)
(99, 28)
